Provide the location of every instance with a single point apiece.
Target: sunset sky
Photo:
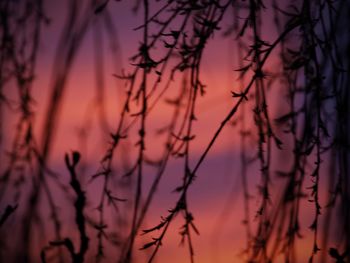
(217, 186)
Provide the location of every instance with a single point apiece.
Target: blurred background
(73, 74)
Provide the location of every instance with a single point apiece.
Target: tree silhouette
(288, 107)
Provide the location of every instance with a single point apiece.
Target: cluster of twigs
(313, 132)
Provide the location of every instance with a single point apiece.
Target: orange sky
(218, 176)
